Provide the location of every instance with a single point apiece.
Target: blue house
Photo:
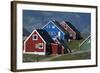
(56, 31)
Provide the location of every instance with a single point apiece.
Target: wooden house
(56, 31)
(71, 29)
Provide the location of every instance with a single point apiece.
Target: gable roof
(44, 34)
(72, 26)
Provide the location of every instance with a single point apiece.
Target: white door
(59, 34)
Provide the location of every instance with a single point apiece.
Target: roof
(59, 26)
(72, 26)
(44, 34)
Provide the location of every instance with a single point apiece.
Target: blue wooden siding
(54, 31)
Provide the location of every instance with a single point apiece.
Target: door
(59, 35)
(59, 50)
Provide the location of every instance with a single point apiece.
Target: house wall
(54, 48)
(54, 31)
(57, 49)
(30, 44)
(72, 34)
(62, 51)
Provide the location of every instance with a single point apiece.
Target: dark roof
(59, 26)
(72, 26)
(44, 34)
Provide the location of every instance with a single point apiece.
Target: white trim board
(39, 53)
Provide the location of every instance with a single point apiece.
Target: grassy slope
(79, 56)
(74, 44)
(33, 58)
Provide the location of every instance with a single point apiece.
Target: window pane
(39, 45)
(35, 37)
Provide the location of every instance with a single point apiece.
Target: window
(39, 45)
(51, 33)
(66, 27)
(71, 35)
(35, 37)
(53, 26)
(48, 26)
(59, 34)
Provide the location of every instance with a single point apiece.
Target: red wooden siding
(30, 44)
(56, 49)
(72, 34)
(62, 51)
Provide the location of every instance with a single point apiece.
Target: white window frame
(71, 34)
(65, 27)
(53, 27)
(37, 45)
(59, 34)
(36, 37)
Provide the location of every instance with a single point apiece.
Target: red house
(73, 32)
(39, 42)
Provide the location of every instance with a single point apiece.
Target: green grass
(78, 56)
(39, 58)
(74, 44)
(33, 57)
